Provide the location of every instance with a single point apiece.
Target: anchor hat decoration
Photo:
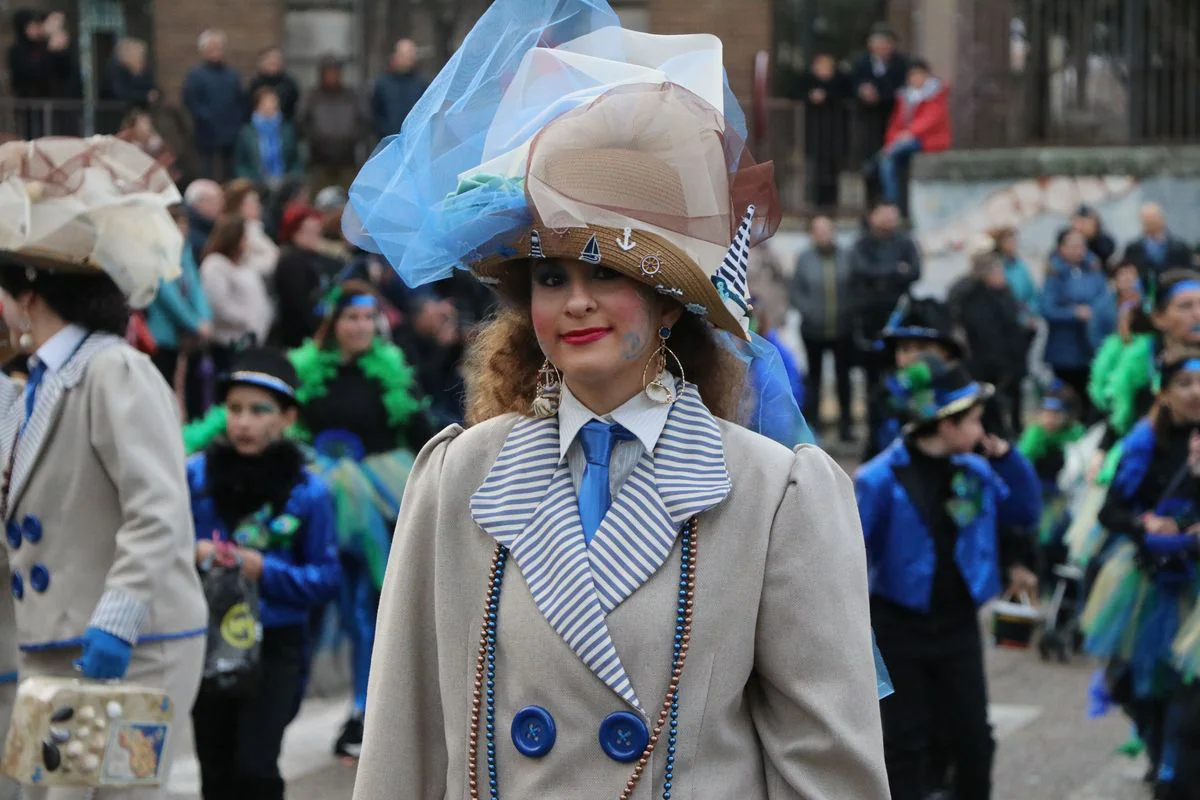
(598, 145)
(90, 205)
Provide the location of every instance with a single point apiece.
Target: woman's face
(1182, 397)
(1073, 248)
(909, 351)
(1008, 245)
(355, 330)
(268, 106)
(597, 326)
(15, 318)
(1179, 322)
(251, 206)
(254, 419)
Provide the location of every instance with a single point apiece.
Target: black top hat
(926, 320)
(264, 368)
(935, 390)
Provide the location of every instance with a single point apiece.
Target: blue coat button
(533, 731)
(12, 532)
(39, 578)
(623, 736)
(18, 585)
(33, 528)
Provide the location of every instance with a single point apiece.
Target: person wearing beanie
(256, 505)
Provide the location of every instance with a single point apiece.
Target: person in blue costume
(933, 505)
(1148, 584)
(916, 327)
(255, 503)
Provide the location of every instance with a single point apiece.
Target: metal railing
(32, 118)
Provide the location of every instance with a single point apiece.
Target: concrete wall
(957, 196)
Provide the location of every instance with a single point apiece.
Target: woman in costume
(360, 412)
(256, 504)
(1148, 583)
(95, 499)
(617, 589)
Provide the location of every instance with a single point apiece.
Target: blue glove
(105, 657)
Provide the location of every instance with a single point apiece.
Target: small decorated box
(71, 732)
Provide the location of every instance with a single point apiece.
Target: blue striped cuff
(120, 614)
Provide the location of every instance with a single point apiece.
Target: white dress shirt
(639, 415)
(58, 349)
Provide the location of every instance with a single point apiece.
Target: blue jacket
(900, 550)
(295, 578)
(212, 94)
(180, 306)
(1068, 344)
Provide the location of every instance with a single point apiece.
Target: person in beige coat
(237, 294)
(94, 499)
(606, 586)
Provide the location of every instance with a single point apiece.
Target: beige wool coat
(778, 693)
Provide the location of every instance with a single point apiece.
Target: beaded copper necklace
(484, 695)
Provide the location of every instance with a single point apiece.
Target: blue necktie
(597, 439)
(37, 371)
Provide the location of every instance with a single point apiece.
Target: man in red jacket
(920, 124)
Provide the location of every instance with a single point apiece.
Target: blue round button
(33, 528)
(39, 578)
(12, 532)
(18, 585)
(533, 731)
(623, 736)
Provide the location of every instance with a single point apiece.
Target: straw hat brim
(652, 261)
(44, 259)
(983, 392)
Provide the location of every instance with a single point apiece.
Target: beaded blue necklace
(485, 674)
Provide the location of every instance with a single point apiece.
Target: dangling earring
(25, 341)
(549, 385)
(657, 389)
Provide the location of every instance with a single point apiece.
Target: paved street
(1048, 750)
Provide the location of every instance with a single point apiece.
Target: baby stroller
(1061, 634)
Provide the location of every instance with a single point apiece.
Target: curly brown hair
(502, 364)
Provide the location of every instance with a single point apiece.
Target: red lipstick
(585, 335)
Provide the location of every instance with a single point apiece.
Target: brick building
(359, 31)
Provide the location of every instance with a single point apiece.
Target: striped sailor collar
(639, 415)
(528, 503)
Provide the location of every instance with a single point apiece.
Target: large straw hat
(90, 205)
(639, 181)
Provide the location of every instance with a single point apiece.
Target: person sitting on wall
(920, 123)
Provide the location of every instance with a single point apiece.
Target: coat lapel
(46, 410)
(685, 476)
(527, 503)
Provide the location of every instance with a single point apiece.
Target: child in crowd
(254, 503)
(932, 513)
(916, 327)
(1044, 443)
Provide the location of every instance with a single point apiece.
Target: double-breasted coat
(778, 693)
(97, 521)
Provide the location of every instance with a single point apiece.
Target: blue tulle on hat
(414, 201)
(768, 405)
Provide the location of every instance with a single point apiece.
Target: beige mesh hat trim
(651, 260)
